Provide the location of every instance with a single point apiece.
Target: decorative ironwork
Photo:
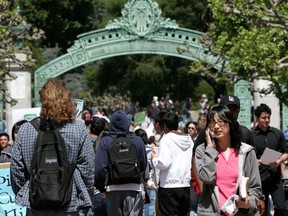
(284, 116)
(141, 18)
(140, 30)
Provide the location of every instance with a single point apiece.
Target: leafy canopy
(61, 20)
(13, 32)
(251, 37)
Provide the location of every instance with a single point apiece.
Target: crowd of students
(240, 152)
(186, 171)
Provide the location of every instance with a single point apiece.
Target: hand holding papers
(270, 156)
(229, 208)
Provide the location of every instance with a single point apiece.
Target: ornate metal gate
(140, 30)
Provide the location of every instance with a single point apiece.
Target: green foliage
(13, 34)
(252, 38)
(62, 20)
(191, 14)
(141, 77)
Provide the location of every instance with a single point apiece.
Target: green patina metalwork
(284, 116)
(241, 89)
(140, 30)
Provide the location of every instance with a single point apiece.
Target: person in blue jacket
(121, 199)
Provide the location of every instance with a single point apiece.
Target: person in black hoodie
(121, 199)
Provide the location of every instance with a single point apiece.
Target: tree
(13, 32)
(62, 20)
(193, 14)
(251, 39)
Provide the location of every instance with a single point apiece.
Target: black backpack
(123, 162)
(51, 174)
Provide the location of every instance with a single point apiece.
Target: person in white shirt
(174, 163)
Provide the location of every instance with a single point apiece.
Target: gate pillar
(241, 90)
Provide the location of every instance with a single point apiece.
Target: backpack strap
(109, 147)
(36, 123)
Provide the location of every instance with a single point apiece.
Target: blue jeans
(186, 115)
(150, 207)
(193, 202)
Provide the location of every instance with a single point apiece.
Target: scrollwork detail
(141, 18)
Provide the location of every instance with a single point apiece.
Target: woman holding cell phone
(222, 161)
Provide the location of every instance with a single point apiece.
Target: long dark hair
(225, 114)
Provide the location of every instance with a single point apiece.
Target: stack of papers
(270, 156)
(229, 208)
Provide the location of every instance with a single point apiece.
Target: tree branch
(283, 59)
(275, 3)
(264, 21)
(281, 64)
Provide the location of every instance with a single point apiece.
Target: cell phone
(212, 134)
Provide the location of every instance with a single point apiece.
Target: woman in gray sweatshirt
(221, 162)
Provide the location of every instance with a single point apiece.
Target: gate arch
(140, 30)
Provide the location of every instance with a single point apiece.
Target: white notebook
(244, 187)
